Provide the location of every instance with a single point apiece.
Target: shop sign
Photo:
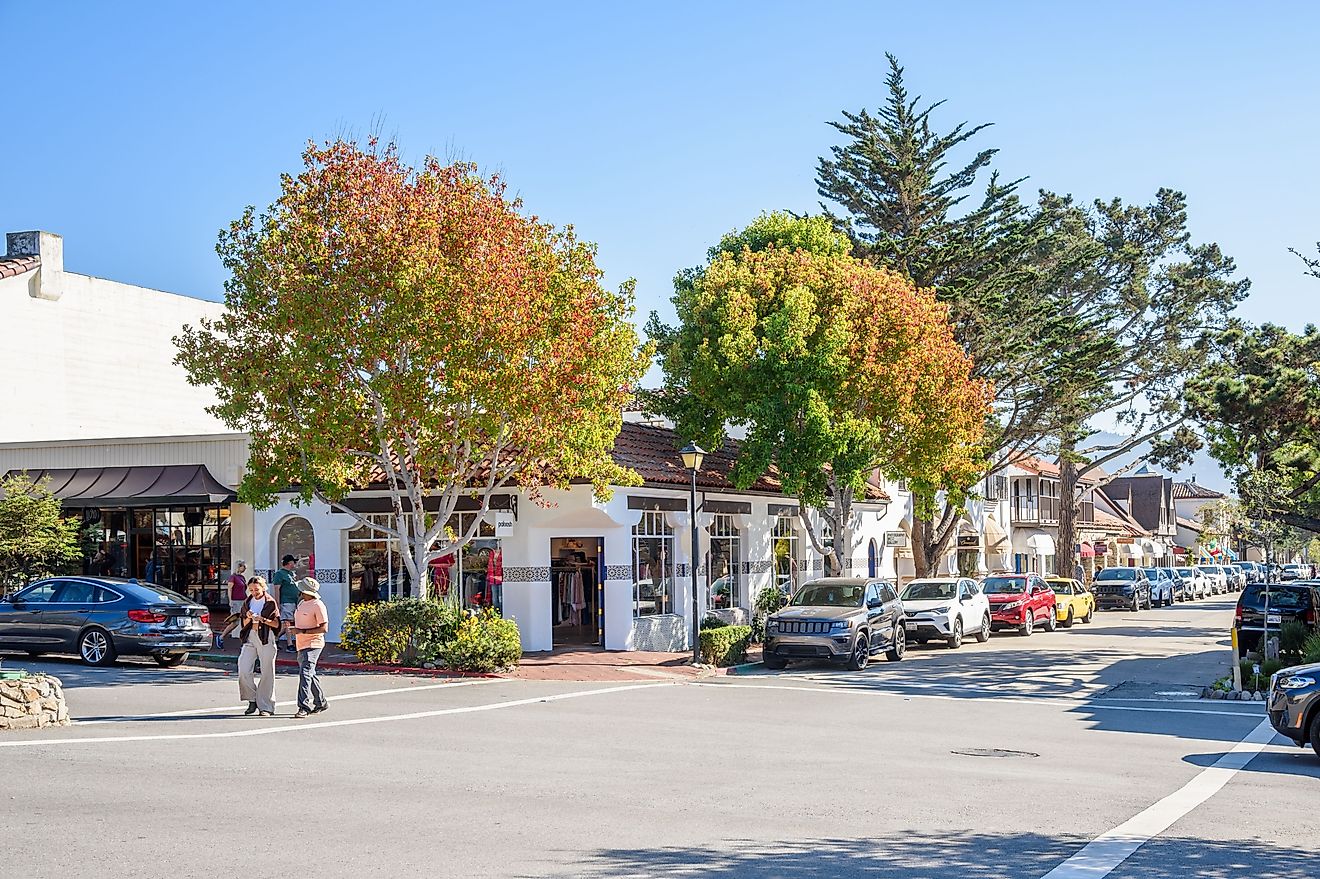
(895, 538)
(969, 541)
(504, 523)
(1125, 541)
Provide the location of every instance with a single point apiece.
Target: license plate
(183, 622)
(1274, 618)
(911, 627)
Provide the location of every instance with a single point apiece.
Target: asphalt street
(1075, 754)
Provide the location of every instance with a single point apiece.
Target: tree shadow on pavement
(73, 674)
(1301, 762)
(966, 854)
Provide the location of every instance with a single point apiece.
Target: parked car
(1072, 601)
(946, 608)
(1218, 582)
(1200, 583)
(1020, 601)
(1161, 587)
(1287, 602)
(1240, 578)
(842, 619)
(1293, 704)
(1291, 572)
(1122, 587)
(1255, 571)
(1181, 587)
(100, 618)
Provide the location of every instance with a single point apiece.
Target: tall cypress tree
(995, 261)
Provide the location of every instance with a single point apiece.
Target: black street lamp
(693, 455)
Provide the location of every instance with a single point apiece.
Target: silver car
(843, 619)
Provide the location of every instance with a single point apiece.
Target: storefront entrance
(186, 549)
(577, 590)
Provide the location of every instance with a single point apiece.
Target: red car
(1020, 601)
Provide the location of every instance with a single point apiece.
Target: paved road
(809, 772)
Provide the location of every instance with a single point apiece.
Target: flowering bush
(407, 631)
(484, 643)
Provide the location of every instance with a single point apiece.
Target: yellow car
(1071, 601)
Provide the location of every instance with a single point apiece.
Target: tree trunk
(1068, 502)
(920, 551)
(930, 539)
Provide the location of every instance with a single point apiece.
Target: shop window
(375, 568)
(785, 540)
(295, 538)
(724, 575)
(653, 565)
(186, 549)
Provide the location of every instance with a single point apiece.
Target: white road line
(1102, 855)
(295, 726)
(1018, 700)
(128, 718)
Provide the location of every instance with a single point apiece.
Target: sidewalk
(562, 664)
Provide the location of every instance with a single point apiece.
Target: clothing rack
(573, 591)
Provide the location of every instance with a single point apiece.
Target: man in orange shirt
(310, 622)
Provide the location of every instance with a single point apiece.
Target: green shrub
(1292, 638)
(408, 631)
(713, 622)
(726, 645)
(484, 643)
(1311, 649)
(768, 600)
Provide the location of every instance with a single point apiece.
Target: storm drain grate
(992, 752)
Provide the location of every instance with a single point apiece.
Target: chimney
(49, 247)
(1193, 479)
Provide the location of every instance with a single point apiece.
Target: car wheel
(1090, 615)
(170, 660)
(1052, 623)
(1028, 624)
(95, 647)
(1136, 604)
(898, 646)
(983, 633)
(954, 641)
(777, 663)
(861, 653)
(1068, 623)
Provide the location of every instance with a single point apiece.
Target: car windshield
(929, 590)
(1004, 585)
(1280, 597)
(1117, 574)
(829, 595)
(1153, 573)
(1186, 572)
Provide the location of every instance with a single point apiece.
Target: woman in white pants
(261, 625)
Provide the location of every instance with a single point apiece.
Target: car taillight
(146, 616)
(206, 617)
(1237, 613)
(1310, 617)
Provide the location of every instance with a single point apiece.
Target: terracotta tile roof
(653, 453)
(1191, 490)
(1041, 467)
(17, 265)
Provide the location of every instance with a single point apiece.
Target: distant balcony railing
(1045, 510)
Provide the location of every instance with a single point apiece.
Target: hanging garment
(440, 573)
(495, 568)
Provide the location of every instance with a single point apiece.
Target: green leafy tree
(35, 540)
(1143, 299)
(835, 369)
(1257, 399)
(991, 259)
(411, 329)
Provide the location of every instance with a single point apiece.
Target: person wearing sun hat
(310, 621)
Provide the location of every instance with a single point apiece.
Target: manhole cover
(992, 752)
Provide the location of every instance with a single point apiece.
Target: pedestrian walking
(310, 622)
(238, 588)
(261, 625)
(286, 591)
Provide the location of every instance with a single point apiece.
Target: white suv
(1200, 583)
(946, 608)
(1218, 580)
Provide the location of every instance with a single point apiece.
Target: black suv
(843, 619)
(1123, 588)
(1288, 602)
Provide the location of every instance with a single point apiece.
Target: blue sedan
(100, 618)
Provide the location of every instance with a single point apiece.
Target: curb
(228, 659)
(743, 668)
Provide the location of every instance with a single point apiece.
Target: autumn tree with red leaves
(413, 329)
(834, 368)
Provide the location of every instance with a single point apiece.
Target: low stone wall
(31, 702)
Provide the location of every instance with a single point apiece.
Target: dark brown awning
(174, 484)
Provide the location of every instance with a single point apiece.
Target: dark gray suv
(99, 618)
(1294, 704)
(844, 619)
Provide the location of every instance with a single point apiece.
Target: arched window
(295, 538)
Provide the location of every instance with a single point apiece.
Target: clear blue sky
(137, 130)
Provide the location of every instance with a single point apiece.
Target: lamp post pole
(692, 457)
(696, 625)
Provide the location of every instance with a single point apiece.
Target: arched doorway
(872, 559)
(295, 538)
